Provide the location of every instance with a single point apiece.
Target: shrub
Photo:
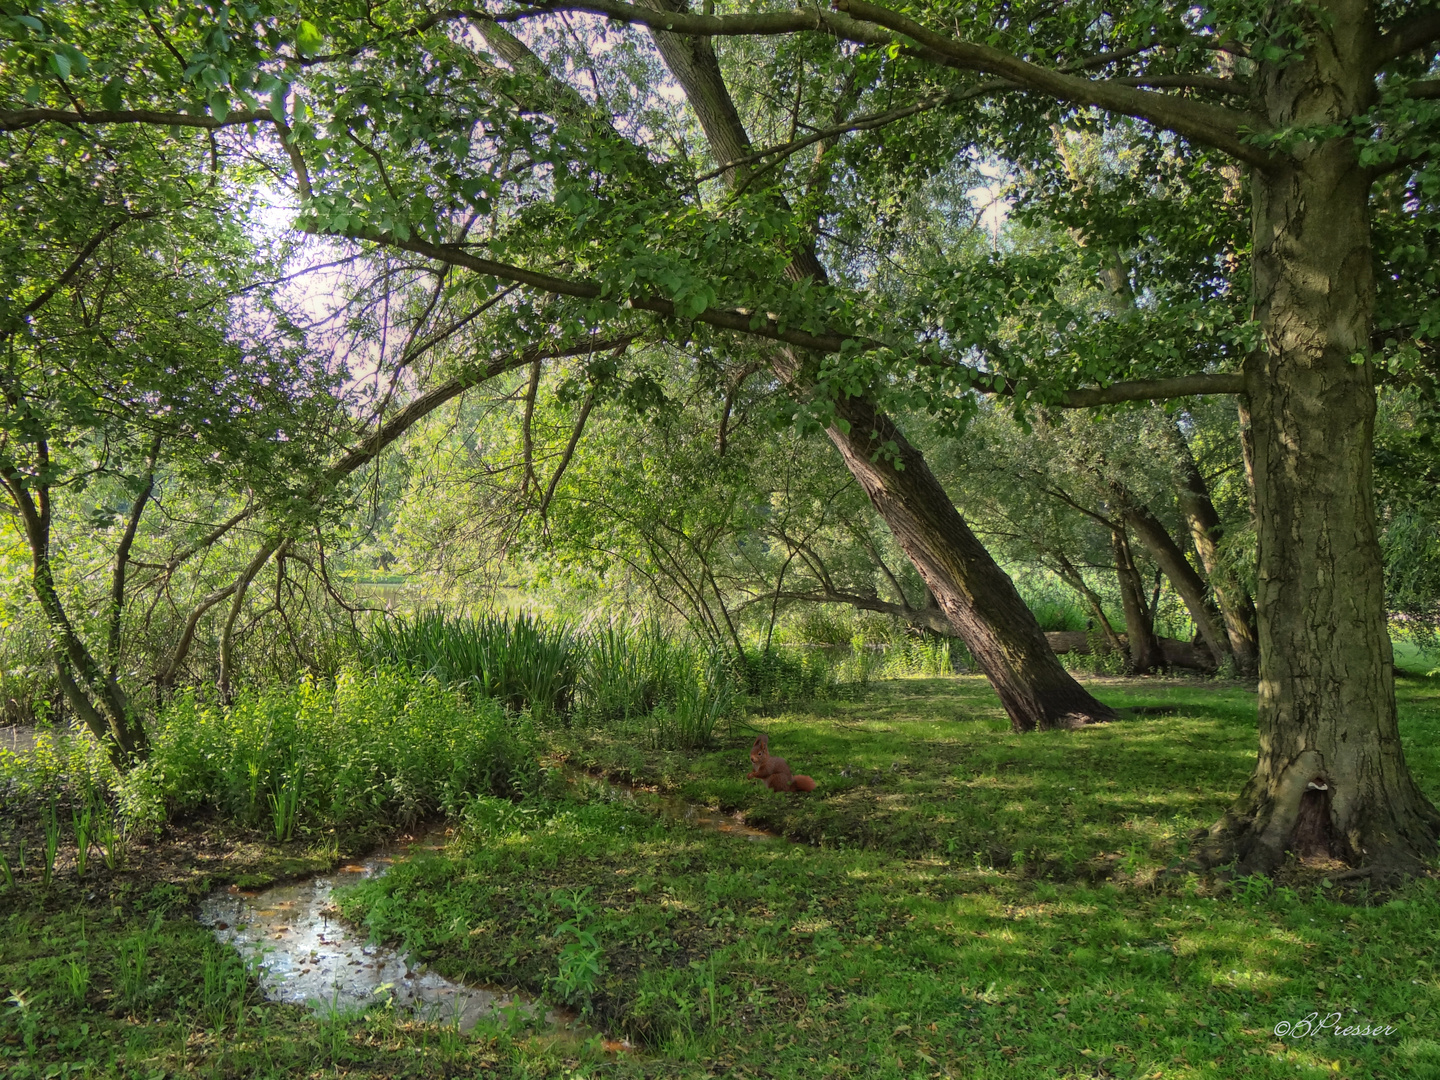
(630, 670)
(379, 748)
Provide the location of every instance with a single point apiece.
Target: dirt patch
(187, 858)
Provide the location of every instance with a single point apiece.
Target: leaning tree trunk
(1331, 776)
(977, 596)
(1149, 530)
(1237, 607)
(1139, 625)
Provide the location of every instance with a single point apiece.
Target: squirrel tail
(802, 783)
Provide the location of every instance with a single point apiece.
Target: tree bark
(237, 602)
(1072, 577)
(1139, 627)
(1327, 700)
(1237, 607)
(97, 698)
(976, 596)
(1172, 562)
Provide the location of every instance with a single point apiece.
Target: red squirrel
(774, 770)
(786, 782)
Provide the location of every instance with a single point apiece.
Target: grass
(973, 903)
(130, 987)
(969, 903)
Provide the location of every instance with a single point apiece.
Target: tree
(1307, 107)
(1331, 104)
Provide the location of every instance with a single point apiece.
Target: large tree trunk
(977, 596)
(1237, 607)
(1331, 776)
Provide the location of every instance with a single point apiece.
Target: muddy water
(307, 957)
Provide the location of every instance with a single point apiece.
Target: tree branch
(1419, 31)
(569, 452)
(73, 269)
(122, 556)
(745, 322)
(18, 119)
(1154, 390)
(1210, 125)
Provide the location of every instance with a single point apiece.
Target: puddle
(19, 739)
(308, 957)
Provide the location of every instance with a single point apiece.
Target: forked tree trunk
(977, 596)
(95, 695)
(1140, 638)
(1328, 736)
(1188, 584)
(1237, 607)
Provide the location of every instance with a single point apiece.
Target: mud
(305, 955)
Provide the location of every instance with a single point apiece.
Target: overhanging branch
(869, 24)
(1154, 390)
(18, 119)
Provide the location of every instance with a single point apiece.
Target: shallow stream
(308, 957)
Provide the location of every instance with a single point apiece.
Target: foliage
(380, 747)
(519, 661)
(377, 748)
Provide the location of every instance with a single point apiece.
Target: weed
(109, 836)
(285, 806)
(7, 871)
(52, 844)
(580, 957)
(1253, 889)
(77, 981)
(83, 820)
(132, 963)
(23, 1015)
(223, 985)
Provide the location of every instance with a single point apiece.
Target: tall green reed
(520, 661)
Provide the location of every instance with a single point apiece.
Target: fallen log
(1176, 653)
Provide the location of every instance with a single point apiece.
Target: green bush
(630, 670)
(776, 678)
(912, 655)
(379, 748)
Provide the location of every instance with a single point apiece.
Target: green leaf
(112, 95)
(308, 38)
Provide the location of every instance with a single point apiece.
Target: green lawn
(967, 902)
